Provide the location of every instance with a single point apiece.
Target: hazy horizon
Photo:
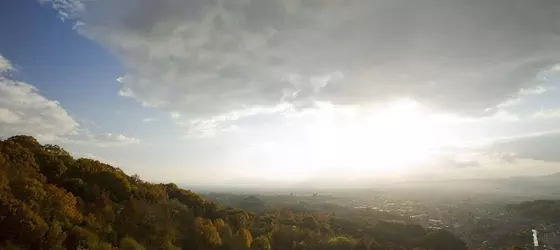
(270, 92)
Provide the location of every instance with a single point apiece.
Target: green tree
(340, 243)
(55, 236)
(60, 205)
(50, 165)
(261, 243)
(81, 238)
(117, 185)
(207, 236)
(243, 239)
(29, 191)
(20, 224)
(442, 240)
(128, 243)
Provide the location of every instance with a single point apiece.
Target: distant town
(484, 220)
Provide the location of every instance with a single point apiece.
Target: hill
(49, 200)
(546, 210)
(524, 187)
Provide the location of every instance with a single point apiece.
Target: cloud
(520, 96)
(540, 146)
(24, 111)
(150, 119)
(224, 122)
(505, 157)
(66, 8)
(537, 90)
(207, 58)
(97, 158)
(110, 140)
(5, 65)
(537, 146)
(449, 160)
(94, 157)
(101, 140)
(547, 113)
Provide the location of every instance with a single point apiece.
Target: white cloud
(498, 116)
(505, 116)
(520, 97)
(451, 161)
(210, 126)
(538, 146)
(94, 157)
(150, 119)
(547, 113)
(537, 90)
(66, 8)
(207, 58)
(9, 117)
(110, 139)
(24, 111)
(5, 65)
(102, 140)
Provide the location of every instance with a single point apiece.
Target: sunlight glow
(381, 140)
(349, 142)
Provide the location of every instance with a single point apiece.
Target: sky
(253, 92)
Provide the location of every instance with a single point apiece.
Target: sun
(341, 141)
(381, 140)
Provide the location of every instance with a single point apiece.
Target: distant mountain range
(544, 186)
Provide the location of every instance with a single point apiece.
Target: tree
(4, 183)
(261, 243)
(441, 240)
(50, 165)
(240, 220)
(243, 239)
(128, 243)
(310, 222)
(340, 243)
(20, 224)
(30, 191)
(9, 246)
(56, 150)
(55, 236)
(81, 238)
(60, 205)
(117, 185)
(207, 235)
(25, 141)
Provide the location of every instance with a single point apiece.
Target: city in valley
(485, 214)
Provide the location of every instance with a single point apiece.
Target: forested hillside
(49, 200)
(547, 210)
